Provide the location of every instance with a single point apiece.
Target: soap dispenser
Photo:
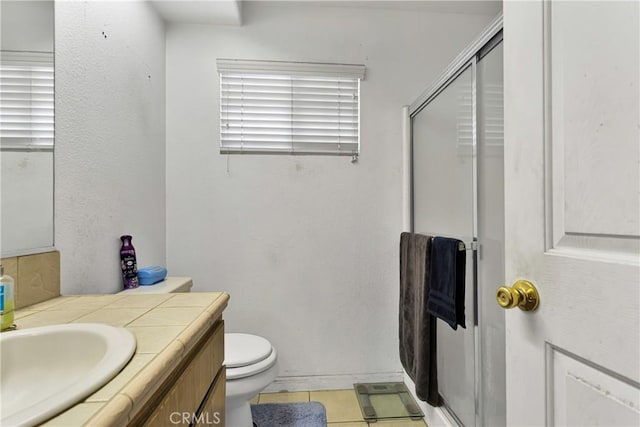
(7, 304)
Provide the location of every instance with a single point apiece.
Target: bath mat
(299, 414)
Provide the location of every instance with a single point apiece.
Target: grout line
(142, 314)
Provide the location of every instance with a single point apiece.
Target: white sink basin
(48, 369)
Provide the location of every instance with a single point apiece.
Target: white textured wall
(110, 140)
(306, 246)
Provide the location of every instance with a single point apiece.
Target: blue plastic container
(151, 275)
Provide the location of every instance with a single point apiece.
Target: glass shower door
(491, 235)
(443, 204)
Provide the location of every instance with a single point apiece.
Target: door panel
(585, 394)
(593, 60)
(571, 219)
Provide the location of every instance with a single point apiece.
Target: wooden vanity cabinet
(194, 393)
(210, 412)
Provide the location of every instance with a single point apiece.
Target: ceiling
(218, 12)
(229, 12)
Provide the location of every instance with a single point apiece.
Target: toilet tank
(167, 286)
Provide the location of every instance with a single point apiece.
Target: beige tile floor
(341, 405)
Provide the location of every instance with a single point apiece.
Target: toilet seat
(246, 355)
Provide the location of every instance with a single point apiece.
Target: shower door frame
(468, 58)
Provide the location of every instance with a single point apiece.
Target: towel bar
(472, 247)
(461, 246)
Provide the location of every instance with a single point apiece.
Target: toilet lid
(245, 349)
(254, 369)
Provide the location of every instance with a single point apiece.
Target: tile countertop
(166, 326)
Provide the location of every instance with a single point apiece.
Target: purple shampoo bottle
(128, 263)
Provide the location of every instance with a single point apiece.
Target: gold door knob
(522, 294)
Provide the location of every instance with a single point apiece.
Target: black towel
(446, 289)
(417, 328)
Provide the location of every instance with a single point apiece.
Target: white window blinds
(288, 107)
(26, 101)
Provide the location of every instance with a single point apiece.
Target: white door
(572, 136)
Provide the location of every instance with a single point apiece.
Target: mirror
(26, 126)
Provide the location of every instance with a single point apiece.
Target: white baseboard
(329, 382)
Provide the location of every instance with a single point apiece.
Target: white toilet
(251, 366)
(251, 360)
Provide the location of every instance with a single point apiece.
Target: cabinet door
(183, 399)
(212, 412)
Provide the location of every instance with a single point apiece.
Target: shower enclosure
(457, 191)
